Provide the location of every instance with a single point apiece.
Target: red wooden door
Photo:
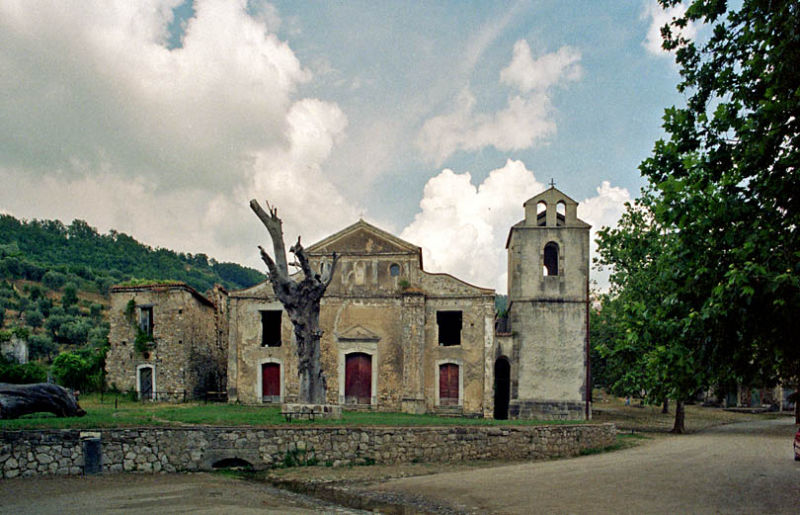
(358, 378)
(448, 384)
(271, 382)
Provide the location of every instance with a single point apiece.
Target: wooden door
(358, 378)
(146, 383)
(448, 384)
(271, 382)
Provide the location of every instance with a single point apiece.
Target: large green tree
(724, 189)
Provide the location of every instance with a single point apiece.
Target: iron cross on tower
(552, 183)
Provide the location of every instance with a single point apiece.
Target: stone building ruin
(394, 336)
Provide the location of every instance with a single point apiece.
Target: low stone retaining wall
(43, 452)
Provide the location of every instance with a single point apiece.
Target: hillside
(54, 282)
(55, 254)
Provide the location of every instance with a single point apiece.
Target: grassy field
(120, 411)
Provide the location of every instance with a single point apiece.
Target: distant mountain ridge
(78, 253)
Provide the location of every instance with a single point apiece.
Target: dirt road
(739, 468)
(152, 494)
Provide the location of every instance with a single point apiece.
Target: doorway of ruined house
(270, 382)
(448, 384)
(145, 382)
(502, 388)
(358, 378)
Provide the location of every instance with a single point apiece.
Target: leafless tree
(301, 299)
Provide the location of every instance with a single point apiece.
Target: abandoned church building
(394, 337)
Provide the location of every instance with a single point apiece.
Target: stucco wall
(49, 452)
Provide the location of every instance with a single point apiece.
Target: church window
(449, 323)
(561, 213)
(541, 213)
(271, 328)
(551, 259)
(394, 269)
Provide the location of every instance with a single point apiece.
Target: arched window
(541, 213)
(394, 269)
(551, 259)
(561, 213)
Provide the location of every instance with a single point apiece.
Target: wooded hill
(47, 251)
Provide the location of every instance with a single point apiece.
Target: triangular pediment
(363, 238)
(358, 333)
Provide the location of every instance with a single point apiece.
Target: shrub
(21, 374)
(54, 280)
(41, 346)
(71, 370)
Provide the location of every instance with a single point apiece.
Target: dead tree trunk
(21, 399)
(301, 300)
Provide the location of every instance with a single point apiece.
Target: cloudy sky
(162, 118)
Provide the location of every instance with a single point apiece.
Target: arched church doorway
(502, 388)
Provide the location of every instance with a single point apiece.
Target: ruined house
(165, 341)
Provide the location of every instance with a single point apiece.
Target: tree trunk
(301, 299)
(665, 407)
(21, 399)
(679, 427)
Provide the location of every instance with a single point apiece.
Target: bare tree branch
(327, 275)
(300, 254)
(274, 226)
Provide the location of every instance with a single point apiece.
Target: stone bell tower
(548, 289)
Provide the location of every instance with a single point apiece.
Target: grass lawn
(119, 411)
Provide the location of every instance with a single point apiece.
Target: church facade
(395, 337)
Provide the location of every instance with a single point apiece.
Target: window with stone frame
(449, 323)
(271, 328)
(146, 320)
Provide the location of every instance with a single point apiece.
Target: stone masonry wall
(48, 452)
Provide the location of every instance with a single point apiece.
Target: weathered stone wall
(548, 313)
(47, 452)
(186, 355)
(366, 309)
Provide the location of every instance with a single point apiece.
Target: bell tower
(548, 289)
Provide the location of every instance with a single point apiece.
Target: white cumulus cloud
(658, 18)
(526, 118)
(462, 227)
(101, 120)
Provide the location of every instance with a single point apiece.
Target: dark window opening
(394, 270)
(502, 388)
(146, 320)
(449, 323)
(551, 259)
(271, 328)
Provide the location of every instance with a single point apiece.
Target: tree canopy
(714, 277)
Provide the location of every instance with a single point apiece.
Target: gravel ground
(200, 493)
(738, 468)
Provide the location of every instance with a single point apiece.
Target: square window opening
(271, 328)
(449, 323)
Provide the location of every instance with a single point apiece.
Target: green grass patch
(118, 410)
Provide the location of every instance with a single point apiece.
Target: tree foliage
(55, 254)
(723, 198)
